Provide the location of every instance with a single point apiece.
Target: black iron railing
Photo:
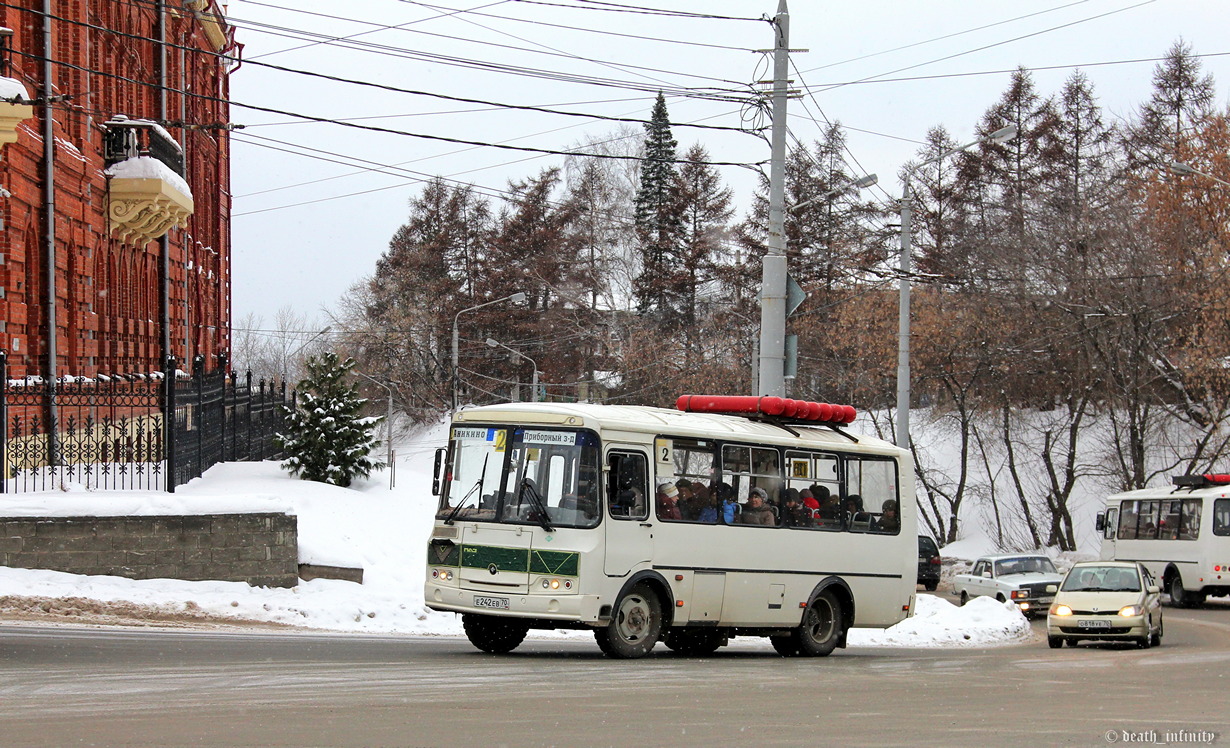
(138, 432)
(128, 138)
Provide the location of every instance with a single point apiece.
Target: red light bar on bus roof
(1199, 481)
(777, 407)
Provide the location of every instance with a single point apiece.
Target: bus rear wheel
(820, 629)
(1179, 597)
(694, 641)
(635, 627)
(492, 634)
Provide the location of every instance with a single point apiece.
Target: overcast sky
(317, 202)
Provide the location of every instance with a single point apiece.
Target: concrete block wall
(260, 549)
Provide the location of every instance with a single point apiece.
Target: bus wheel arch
(1172, 582)
(839, 593)
(639, 618)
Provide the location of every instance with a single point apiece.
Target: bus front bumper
(582, 608)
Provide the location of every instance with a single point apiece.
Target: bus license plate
(1094, 624)
(499, 603)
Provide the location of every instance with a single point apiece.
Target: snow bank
(982, 622)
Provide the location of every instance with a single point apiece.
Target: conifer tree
(657, 216)
(324, 436)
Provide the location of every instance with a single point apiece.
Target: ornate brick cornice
(142, 210)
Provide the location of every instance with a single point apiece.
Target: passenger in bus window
(757, 511)
(888, 521)
(707, 507)
(667, 498)
(688, 507)
(856, 518)
(794, 514)
(808, 500)
(730, 503)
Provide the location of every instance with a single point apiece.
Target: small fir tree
(324, 436)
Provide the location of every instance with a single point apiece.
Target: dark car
(928, 563)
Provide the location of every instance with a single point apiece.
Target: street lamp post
(534, 381)
(1001, 135)
(286, 360)
(517, 297)
(1185, 170)
(388, 423)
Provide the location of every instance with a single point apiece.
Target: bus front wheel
(820, 629)
(635, 627)
(492, 634)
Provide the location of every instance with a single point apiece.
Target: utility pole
(773, 273)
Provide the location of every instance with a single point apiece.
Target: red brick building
(133, 95)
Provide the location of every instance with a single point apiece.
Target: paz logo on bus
(493, 569)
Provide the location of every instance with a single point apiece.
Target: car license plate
(1094, 624)
(499, 603)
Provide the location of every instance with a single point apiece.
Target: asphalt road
(74, 686)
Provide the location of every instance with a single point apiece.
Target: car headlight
(1131, 610)
(1020, 594)
(1060, 610)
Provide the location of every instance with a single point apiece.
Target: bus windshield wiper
(536, 499)
(478, 486)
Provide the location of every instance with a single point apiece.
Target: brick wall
(260, 549)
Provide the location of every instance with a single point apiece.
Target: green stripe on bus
(561, 563)
(506, 559)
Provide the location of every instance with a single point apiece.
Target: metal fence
(115, 432)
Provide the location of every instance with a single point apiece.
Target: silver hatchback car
(1106, 601)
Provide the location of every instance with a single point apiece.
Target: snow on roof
(148, 167)
(11, 87)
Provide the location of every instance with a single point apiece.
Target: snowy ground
(384, 531)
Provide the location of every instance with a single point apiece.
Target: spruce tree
(324, 436)
(657, 217)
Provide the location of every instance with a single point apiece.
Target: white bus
(635, 523)
(1181, 534)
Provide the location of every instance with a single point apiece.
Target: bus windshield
(522, 475)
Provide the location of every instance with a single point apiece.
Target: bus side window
(1189, 522)
(1221, 517)
(628, 485)
(1127, 520)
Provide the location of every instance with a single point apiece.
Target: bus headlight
(1131, 610)
(1060, 610)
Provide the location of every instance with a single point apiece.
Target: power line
(991, 46)
(618, 8)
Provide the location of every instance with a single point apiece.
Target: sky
(316, 202)
(380, 528)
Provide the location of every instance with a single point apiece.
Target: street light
(1185, 170)
(1002, 135)
(860, 184)
(286, 359)
(388, 423)
(517, 297)
(534, 385)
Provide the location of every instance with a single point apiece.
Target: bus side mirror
(1052, 589)
(435, 474)
(1099, 524)
(1153, 589)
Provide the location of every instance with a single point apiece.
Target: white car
(1108, 601)
(1021, 578)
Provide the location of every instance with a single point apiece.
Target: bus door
(629, 527)
(1109, 525)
